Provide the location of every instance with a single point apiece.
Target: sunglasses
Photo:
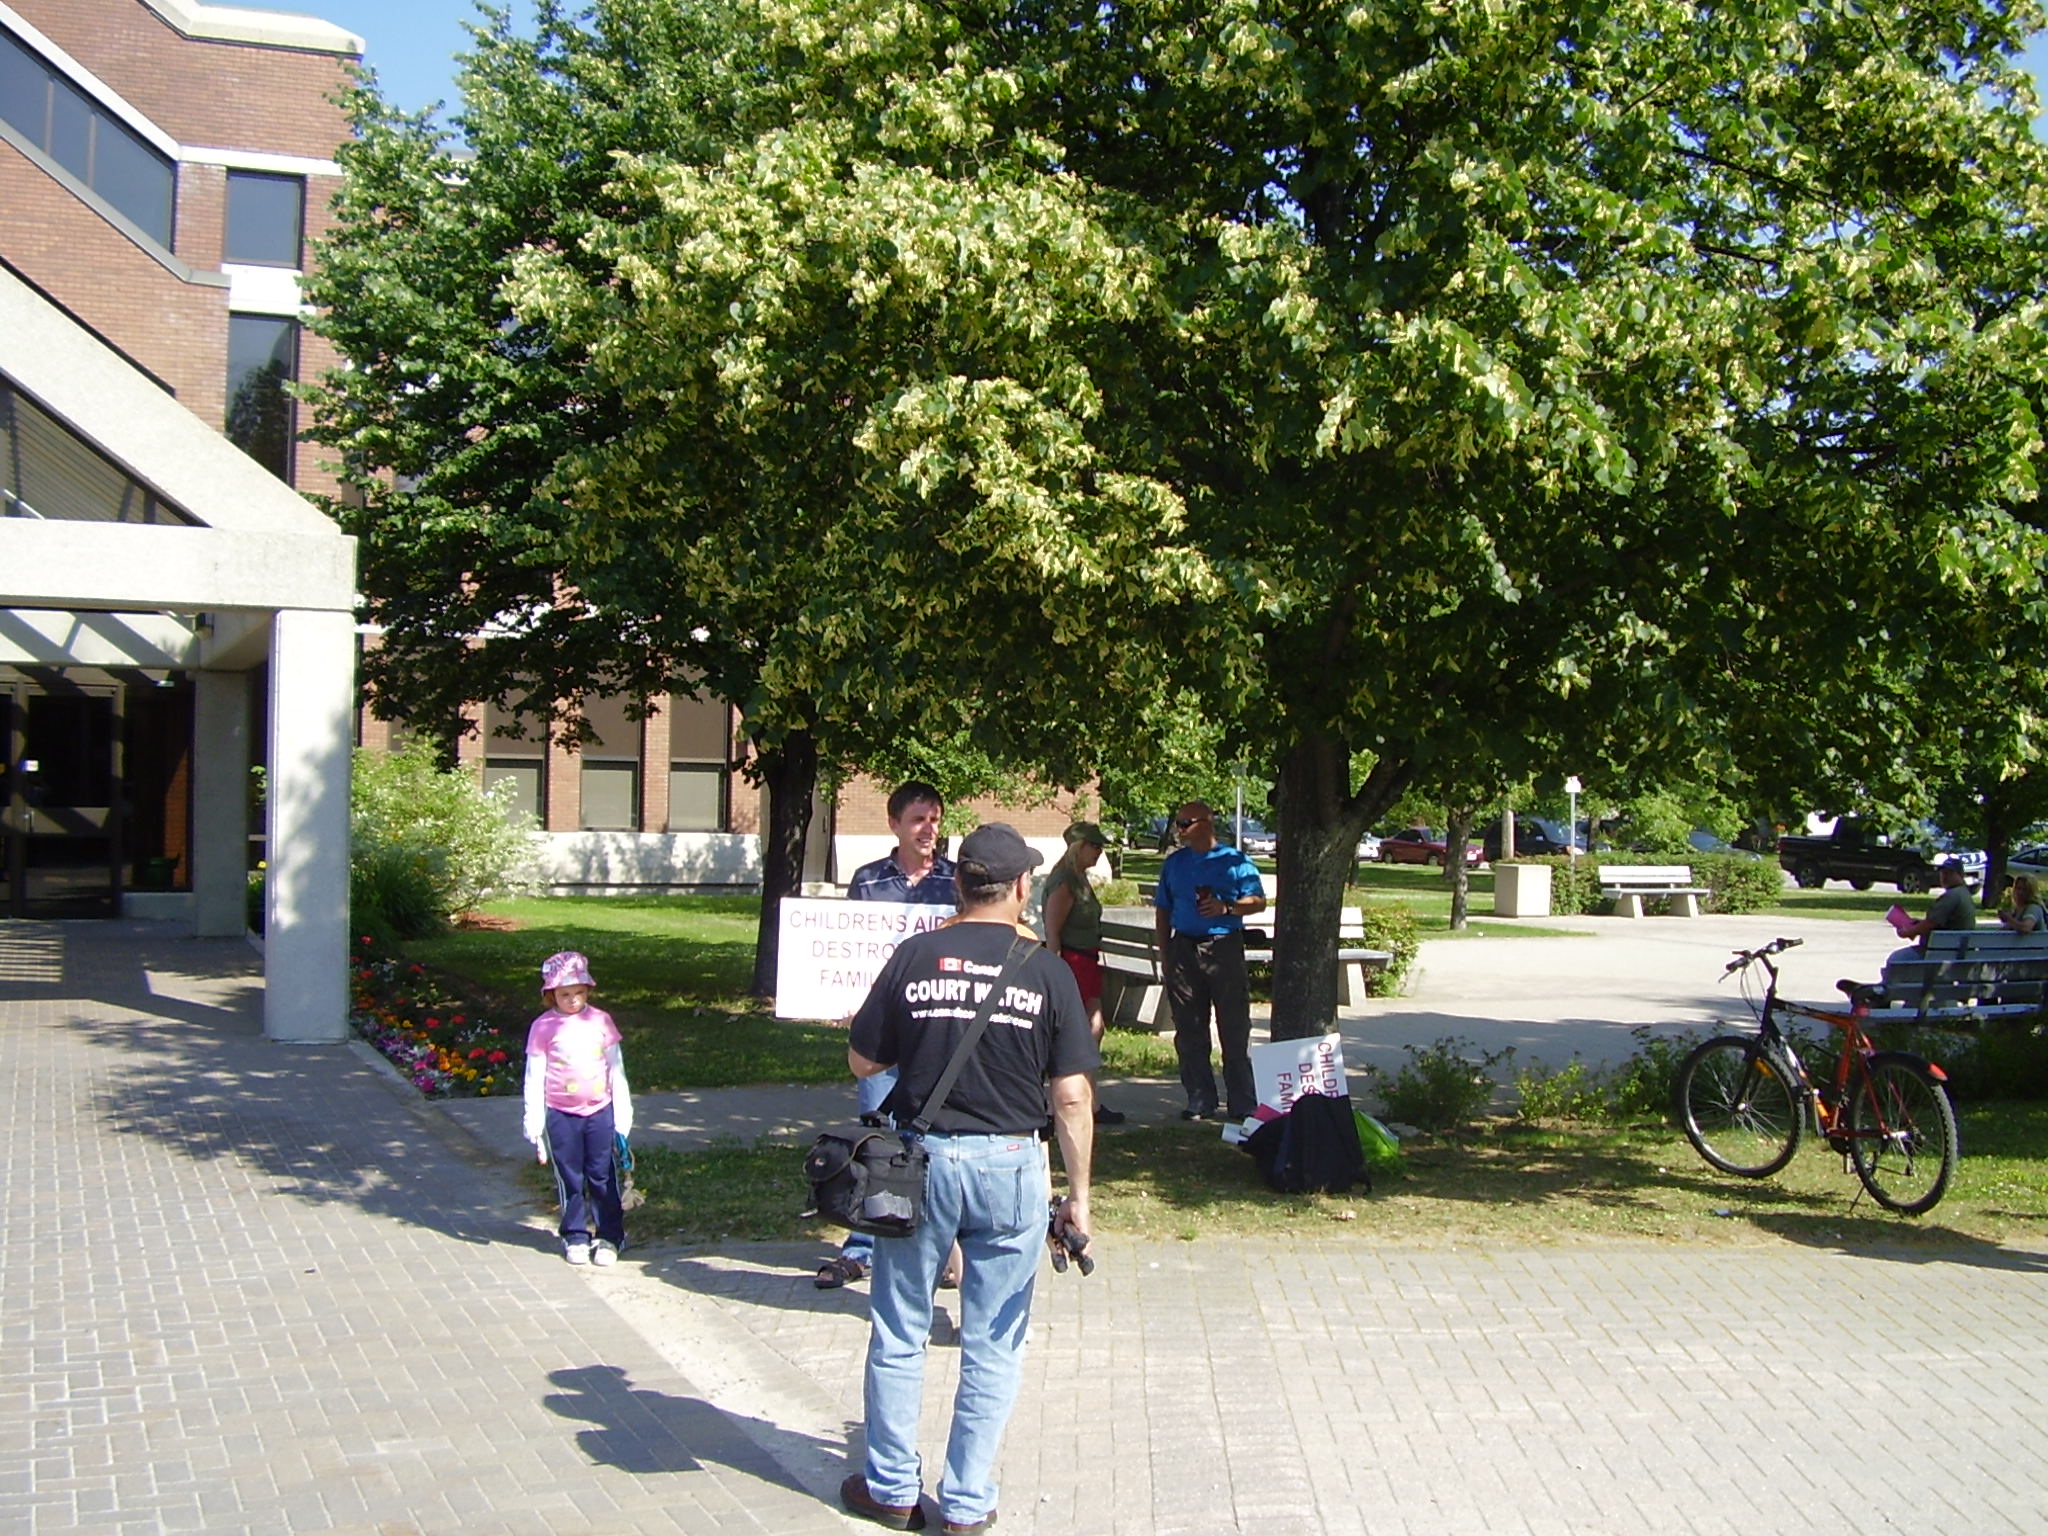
(1184, 822)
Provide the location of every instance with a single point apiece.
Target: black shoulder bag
(873, 1181)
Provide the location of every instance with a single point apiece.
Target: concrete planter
(1521, 890)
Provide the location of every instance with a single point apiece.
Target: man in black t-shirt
(987, 1186)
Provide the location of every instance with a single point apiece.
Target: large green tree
(635, 389)
(1559, 374)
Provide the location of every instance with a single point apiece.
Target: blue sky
(413, 43)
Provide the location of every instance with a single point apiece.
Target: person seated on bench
(1073, 929)
(2023, 912)
(1955, 907)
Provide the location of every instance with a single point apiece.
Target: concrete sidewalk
(266, 1289)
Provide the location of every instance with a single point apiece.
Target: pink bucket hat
(568, 969)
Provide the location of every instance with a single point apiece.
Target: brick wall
(177, 330)
(203, 93)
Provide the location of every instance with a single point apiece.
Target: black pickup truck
(1856, 851)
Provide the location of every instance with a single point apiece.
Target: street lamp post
(1572, 786)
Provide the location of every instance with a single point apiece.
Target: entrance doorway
(61, 854)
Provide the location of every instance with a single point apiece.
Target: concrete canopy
(239, 577)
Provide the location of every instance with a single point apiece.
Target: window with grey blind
(48, 471)
(87, 142)
(611, 767)
(520, 761)
(700, 764)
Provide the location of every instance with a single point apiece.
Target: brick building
(172, 611)
(166, 168)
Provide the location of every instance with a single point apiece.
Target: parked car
(1535, 836)
(1368, 848)
(1705, 841)
(1257, 839)
(1420, 845)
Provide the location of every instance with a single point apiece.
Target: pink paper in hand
(1899, 918)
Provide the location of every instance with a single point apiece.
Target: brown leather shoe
(968, 1527)
(853, 1493)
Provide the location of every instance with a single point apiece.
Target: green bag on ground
(1382, 1148)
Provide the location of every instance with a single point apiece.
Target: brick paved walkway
(259, 1288)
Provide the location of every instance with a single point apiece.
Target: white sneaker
(603, 1253)
(576, 1253)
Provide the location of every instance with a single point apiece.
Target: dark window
(87, 140)
(266, 218)
(262, 360)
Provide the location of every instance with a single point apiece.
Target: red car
(1420, 845)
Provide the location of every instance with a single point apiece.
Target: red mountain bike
(1745, 1100)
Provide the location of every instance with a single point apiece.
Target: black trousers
(1204, 976)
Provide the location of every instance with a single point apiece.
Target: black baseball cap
(994, 854)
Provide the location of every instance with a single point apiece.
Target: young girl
(576, 1102)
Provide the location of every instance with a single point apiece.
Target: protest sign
(1283, 1070)
(829, 952)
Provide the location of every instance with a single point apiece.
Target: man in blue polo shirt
(1206, 891)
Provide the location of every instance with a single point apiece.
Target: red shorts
(1086, 964)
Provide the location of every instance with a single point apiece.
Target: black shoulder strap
(1019, 950)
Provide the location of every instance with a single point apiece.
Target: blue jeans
(990, 1193)
(869, 1093)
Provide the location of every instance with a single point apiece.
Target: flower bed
(443, 1045)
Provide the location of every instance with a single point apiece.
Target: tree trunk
(1457, 832)
(1321, 821)
(1996, 836)
(790, 772)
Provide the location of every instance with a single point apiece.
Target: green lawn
(673, 970)
(1506, 1184)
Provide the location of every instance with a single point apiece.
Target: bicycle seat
(1863, 994)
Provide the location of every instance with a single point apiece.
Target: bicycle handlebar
(1747, 957)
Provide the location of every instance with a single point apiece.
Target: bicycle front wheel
(1902, 1133)
(1739, 1109)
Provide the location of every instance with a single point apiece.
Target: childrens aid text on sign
(831, 951)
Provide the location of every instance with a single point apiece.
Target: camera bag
(872, 1181)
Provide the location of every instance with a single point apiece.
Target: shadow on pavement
(185, 1064)
(646, 1432)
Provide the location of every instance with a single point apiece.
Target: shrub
(1733, 884)
(1640, 1088)
(1574, 1091)
(1441, 1087)
(2005, 1059)
(426, 842)
(1645, 1086)
(1118, 893)
(1390, 926)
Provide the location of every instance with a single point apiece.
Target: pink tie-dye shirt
(576, 1068)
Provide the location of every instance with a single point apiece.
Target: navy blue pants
(586, 1176)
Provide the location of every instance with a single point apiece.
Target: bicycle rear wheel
(1740, 1110)
(1902, 1128)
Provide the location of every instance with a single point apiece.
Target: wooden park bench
(1134, 986)
(1965, 977)
(1627, 884)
